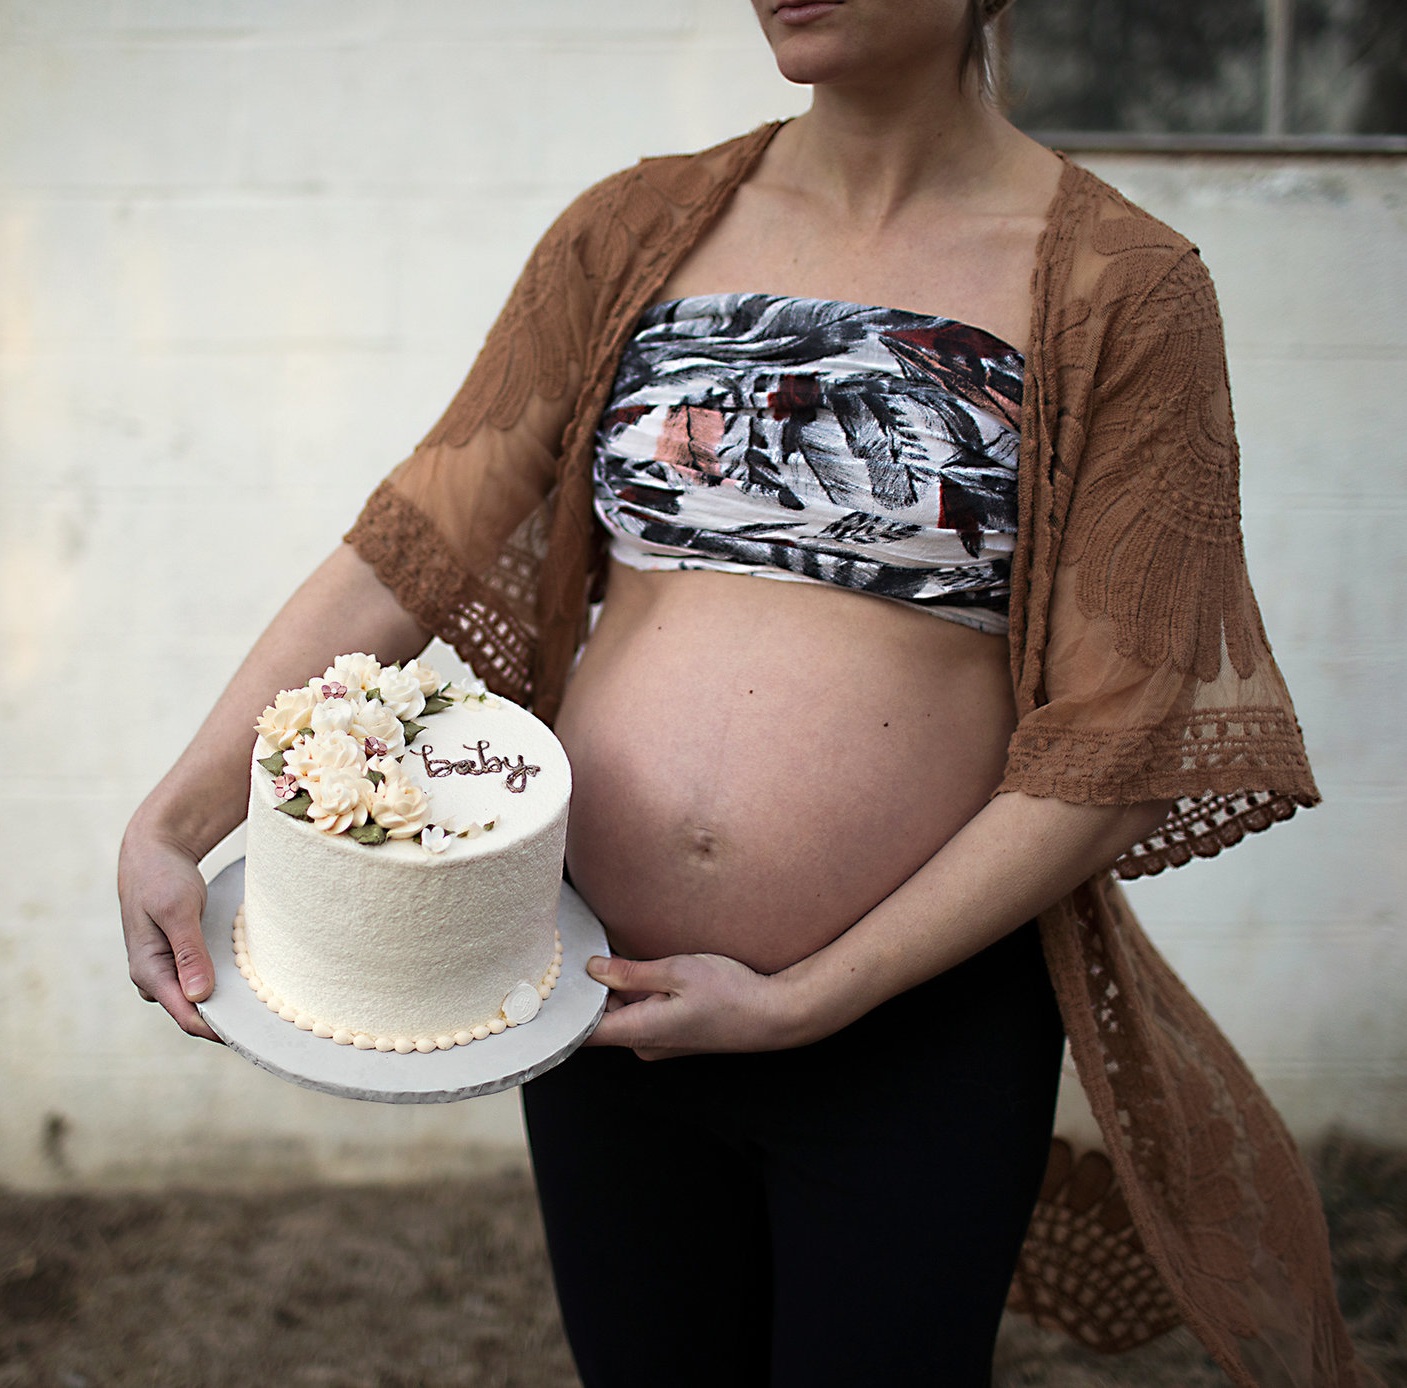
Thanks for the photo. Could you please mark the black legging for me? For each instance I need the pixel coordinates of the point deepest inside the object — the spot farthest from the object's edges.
(846, 1213)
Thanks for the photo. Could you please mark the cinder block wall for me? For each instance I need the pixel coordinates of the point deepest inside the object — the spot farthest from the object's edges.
(246, 253)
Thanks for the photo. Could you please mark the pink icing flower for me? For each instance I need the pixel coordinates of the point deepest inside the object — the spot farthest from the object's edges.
(285, 787)
(333, 689)
(375, 747)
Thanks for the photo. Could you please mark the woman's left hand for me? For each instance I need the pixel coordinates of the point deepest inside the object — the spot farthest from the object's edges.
(685, 1004)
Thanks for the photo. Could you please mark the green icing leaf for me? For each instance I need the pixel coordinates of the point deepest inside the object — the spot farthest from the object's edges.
(273, 765)
(375, 777)
(411, 728)
(305, 732)
(435, 704)
(298, 807)
(370, 834)
(373, 694)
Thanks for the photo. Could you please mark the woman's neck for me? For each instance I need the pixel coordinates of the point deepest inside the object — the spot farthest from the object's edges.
(874, 153)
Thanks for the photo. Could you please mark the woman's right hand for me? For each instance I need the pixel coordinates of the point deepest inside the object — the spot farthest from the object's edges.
(162, 895)
(342, 607)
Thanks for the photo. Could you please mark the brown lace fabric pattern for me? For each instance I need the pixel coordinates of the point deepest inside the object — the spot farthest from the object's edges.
(1141, 671)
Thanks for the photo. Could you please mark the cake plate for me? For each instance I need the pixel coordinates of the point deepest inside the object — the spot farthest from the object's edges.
(512, 1057)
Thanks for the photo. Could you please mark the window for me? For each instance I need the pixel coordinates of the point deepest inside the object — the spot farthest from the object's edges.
(1199, 71)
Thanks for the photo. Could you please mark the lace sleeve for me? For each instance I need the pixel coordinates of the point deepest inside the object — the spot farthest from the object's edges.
(1157, 679)
(460, 529)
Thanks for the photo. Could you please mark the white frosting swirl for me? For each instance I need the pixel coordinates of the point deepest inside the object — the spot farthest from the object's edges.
(358, 671)
(310, 757)
(341, 799)
(428, 680)
(333, 715)
(374, 719)
(400, 692)
(398, 805)
(278, 725)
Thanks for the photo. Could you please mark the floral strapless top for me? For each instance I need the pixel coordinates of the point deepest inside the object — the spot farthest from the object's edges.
(872, 448)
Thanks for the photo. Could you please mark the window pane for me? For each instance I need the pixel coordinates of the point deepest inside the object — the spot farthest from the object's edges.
(1202, 66)
(1194, 66)
(1348, 75)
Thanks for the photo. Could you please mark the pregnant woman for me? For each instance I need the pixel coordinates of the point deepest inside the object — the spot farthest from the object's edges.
(898, 454)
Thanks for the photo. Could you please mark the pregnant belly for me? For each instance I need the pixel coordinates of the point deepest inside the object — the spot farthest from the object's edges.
(756, 764)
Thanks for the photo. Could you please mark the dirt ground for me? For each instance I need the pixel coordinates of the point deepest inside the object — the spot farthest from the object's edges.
(442, 1285)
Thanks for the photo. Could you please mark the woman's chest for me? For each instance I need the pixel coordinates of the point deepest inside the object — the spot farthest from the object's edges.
(968, 266)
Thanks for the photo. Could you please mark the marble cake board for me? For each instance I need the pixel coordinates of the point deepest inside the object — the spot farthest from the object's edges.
(512, 1057)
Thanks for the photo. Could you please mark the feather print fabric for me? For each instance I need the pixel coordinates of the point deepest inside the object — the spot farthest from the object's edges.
(872, 448)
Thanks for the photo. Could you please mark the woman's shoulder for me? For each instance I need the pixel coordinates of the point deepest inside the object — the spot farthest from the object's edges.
(1106, 251)
(1090, 209)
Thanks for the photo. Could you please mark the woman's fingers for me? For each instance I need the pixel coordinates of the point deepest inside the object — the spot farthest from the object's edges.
(163, 895)
(640, 1027)
(640, 977)
(686, 1004)
(172, 968)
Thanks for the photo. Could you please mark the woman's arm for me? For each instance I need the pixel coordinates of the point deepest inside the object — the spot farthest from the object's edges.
(1015, 858)
(342, 607)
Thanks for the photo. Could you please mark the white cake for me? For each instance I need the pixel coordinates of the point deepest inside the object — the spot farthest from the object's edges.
(402, 898)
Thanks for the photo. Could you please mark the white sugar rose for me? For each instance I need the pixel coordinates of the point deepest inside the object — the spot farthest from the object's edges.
(425, 677)
(400, 692)
(278, 725)
(357, 671)
(333, 715)
(375, 720)
(399, 806)
(341, 799)
(298, 759)
(311, 757)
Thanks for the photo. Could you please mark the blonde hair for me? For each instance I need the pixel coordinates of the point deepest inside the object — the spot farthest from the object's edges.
(981, 59)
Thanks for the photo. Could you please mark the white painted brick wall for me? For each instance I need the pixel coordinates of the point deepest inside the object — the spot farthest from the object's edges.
(247, 249)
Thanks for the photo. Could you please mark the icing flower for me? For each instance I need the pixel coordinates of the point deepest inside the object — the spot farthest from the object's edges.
(465, 691)
(435, 839)
(278, 725)
(400, 692)
(376, 722)
(310, 758)
(343, 751)
(424, 676)
(398, 805)
(356, 671)
(522, 1003)
(285, 787)
(341, 800)
(333, 715)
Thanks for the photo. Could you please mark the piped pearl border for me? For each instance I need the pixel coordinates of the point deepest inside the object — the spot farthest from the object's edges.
(367, 1041)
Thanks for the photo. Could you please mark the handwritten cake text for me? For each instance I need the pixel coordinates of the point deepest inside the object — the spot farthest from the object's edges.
(516, 779)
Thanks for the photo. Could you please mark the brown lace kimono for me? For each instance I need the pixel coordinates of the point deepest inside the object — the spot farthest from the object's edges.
(1141, 672)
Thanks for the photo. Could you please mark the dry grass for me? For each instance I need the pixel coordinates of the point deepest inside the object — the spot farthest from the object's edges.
(438, 1285)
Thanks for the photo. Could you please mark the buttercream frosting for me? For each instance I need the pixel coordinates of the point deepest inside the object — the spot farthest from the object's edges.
(407, 903)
